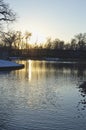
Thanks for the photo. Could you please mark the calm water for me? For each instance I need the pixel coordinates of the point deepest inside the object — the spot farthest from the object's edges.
(43, 96)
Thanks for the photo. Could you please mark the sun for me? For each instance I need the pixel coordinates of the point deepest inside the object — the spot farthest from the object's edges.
(37, 38)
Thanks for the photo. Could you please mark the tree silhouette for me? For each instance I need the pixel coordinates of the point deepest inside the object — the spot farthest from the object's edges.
(73, 44)
(57, 44)
(8, 38)
(27, 36)
(81, 41)
(11, 39)
(6, 14)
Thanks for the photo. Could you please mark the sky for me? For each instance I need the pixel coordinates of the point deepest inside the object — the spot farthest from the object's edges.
(51, 18)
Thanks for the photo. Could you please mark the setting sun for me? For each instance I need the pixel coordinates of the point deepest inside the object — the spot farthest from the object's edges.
(37, 38)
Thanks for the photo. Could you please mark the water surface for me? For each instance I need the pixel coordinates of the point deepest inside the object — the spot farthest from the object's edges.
(43, 96)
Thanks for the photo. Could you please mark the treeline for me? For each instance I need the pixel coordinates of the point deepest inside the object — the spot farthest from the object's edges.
(16, 44)
(77, 43)
(18, 40)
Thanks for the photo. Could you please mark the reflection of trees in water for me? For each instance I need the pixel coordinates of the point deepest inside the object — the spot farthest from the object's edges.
(43, 67)
(75, 69)
(82, 104)
(83, 89)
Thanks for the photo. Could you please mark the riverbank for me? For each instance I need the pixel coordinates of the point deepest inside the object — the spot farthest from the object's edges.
(9, 65)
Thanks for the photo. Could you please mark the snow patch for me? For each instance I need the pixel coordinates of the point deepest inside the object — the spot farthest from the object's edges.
(6, 63)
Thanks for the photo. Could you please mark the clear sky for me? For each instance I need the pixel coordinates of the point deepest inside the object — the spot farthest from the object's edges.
(54, 18)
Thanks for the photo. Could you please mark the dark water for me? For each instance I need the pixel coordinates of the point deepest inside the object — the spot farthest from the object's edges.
(43, 96)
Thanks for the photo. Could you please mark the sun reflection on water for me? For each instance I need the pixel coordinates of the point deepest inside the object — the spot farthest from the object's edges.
(30, 70)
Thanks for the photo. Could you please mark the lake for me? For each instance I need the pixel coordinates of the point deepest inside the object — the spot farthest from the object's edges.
(45, 95)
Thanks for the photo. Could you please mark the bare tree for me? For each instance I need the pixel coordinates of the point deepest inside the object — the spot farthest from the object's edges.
(27, 36)
(6, 14)
(48, 44)
(81, 40)
(11, 39)
(8, 38)
(74, 44)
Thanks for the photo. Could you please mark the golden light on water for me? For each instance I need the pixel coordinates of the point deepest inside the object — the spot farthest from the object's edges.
(30, 70)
